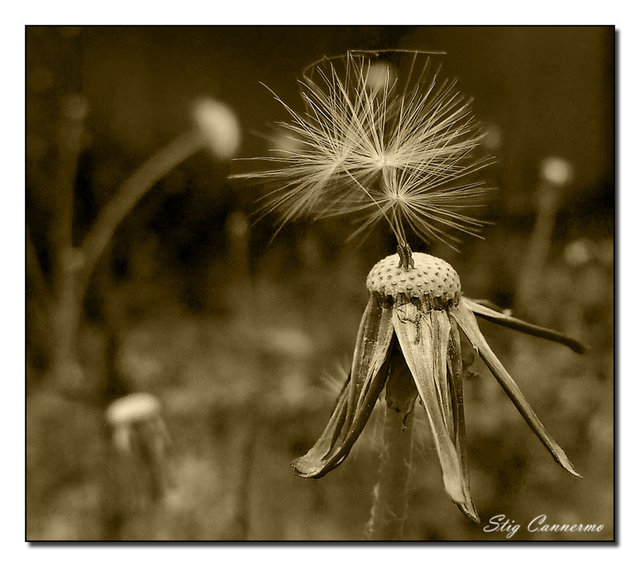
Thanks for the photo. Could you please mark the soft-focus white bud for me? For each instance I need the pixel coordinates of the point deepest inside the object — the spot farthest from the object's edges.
(287, 341)
(75, 107)
(133, 408)
(283, 141)
(380, 76)
(556, 170)
(578, 252)
(140, 437)
(219, 126)
(492, 139)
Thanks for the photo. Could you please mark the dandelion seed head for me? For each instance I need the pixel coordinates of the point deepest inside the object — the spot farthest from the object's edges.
(382, 142)
(430, 279)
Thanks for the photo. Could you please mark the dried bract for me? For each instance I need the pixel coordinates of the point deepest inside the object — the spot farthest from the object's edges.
(414, 320)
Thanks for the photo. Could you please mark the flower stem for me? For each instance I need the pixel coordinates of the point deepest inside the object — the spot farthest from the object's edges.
(130, 192)
(390, 495)
(406, 255)
(76, 264)
(65, 306)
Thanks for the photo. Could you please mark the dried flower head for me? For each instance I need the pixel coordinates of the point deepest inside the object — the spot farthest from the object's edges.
(397, 144)
(384, 142)
(409, 346)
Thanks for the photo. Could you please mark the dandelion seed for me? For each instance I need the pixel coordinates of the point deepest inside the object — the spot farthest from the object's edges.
(381, 147)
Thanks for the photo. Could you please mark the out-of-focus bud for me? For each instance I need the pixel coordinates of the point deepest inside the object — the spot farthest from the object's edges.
(492, 140)
(287, 342)
(578, 252)
(133, 408)
(556, 170)
(555, 174)
(219, 126)
(128, 412)
(75, 107)
(73, 111)
(237, 226)
(380, 75)
(283, 141)
(140, 437)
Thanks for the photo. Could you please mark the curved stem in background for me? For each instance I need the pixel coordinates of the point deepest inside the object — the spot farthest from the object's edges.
(63, 311)
(128, 195)
(75, 265)
(548, 200)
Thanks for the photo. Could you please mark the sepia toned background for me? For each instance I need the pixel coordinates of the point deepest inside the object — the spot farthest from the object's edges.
(243, 340)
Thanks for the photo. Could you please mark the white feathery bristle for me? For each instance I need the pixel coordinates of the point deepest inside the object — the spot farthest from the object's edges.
(380, 145)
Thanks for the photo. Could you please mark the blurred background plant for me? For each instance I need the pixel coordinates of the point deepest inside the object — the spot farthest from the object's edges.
(230, 334)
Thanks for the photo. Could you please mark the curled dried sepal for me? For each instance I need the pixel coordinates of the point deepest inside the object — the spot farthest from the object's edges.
(409, 340)
(492, 313)
(455, 369)
(313, 460)
(426, 358)
(467, 322)
(359, 395)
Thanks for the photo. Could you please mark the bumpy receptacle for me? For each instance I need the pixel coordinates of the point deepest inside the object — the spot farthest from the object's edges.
(431, 280)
